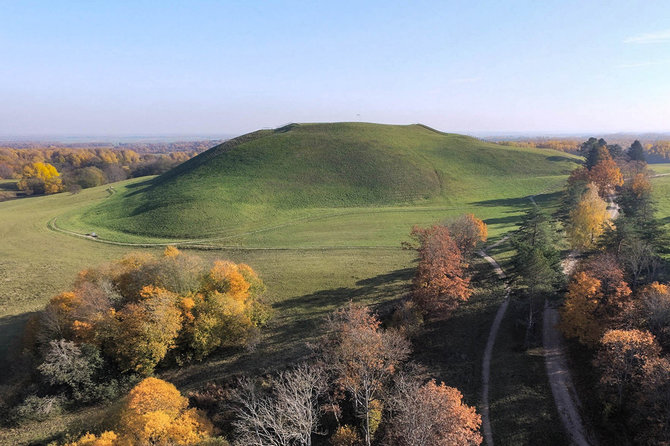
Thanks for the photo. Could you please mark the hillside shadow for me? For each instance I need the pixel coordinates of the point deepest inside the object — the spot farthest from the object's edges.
(136, 188)
(559, 158)
(518, 202)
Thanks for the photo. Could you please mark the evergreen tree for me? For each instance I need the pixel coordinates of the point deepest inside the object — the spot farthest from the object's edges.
(636, 152)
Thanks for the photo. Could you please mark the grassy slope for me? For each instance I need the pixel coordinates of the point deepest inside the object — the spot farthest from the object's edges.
(321, 269)
(319, 171)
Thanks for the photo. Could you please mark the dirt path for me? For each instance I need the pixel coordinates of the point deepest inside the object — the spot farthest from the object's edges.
(488, 351)
(558, 372)
(560, 380)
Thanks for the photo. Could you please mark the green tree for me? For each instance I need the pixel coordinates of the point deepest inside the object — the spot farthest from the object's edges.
(636, 151)
(536, 263)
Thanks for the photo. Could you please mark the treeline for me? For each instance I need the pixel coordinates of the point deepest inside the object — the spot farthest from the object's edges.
(138, 147)
(46, 171)
(653, 152)
(614, 307)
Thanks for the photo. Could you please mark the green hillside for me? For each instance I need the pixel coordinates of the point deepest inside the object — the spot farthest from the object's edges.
(302, 171)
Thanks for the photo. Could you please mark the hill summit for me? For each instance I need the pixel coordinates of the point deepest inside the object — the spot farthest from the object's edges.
(282, 173)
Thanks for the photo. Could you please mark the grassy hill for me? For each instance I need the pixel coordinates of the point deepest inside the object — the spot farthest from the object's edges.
(306, 171)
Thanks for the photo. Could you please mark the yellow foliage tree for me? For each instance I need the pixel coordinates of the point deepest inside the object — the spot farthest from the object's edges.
(587, 219)
(578, 319)
(108, 438)
(142, 333)
(156, 413)
(40, 177)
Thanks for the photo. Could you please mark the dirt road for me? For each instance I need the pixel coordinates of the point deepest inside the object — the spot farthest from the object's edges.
(488, 351)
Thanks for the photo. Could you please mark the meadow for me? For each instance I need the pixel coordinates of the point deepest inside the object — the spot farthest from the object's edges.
(313, 260)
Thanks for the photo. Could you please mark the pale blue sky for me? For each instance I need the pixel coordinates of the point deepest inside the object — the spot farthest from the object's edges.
(220, 67)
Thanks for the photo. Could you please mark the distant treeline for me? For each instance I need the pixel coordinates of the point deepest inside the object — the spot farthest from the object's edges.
(655, 152)
(53, 168)
(139, 147)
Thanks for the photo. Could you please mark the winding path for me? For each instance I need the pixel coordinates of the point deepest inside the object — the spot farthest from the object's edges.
(488, 350)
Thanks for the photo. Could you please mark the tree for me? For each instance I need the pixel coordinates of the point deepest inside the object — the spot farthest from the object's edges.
(40, 178)
(156, 413)
(653, 308)
(67, 364)
(362, 357)
(606, 175)
(636, 151)
(107, 438)
(432, 414)
(287, 417)
(144, 332)
(536, 262)
(346, 436)
(578, 318)
(440, 283)
(468, 231)
(598, 298)
(594, 150)
(622, 358)
(587, 219)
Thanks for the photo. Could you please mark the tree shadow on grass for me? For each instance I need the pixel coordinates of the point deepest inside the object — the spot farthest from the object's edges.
(11, 332)
(298, 322)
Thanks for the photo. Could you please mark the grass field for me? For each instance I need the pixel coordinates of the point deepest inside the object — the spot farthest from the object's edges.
(661, 192)
(313, 261)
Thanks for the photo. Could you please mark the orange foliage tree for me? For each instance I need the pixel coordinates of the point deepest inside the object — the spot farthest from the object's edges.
(432, 414)
(363, 356)
(440, 283)
(606, 175)
(622, 359)
(468, 231)
(154, 413)
(598, 298)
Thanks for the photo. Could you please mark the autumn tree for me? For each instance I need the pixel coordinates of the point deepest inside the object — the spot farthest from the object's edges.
(432, 414)
(622, 358)
(362, 357)
(288, 416)
(587, 219)
(107, 438)
(468, 232)
(653, 311)
(578, 318)
(607, 176)
(142, 333)
(440, 282)
(156, 413)
(40, 178)
(598, 298)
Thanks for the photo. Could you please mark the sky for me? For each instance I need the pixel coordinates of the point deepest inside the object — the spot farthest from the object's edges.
(229, 67)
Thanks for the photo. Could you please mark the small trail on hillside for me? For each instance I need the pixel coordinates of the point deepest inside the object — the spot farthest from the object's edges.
(490, 342)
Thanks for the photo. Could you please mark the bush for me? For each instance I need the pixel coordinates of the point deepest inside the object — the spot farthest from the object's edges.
(39, 408)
